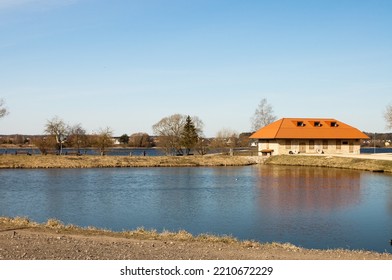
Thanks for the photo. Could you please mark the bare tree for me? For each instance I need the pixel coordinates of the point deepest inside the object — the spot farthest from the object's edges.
(199, 126)
(140, 139)
(243, 139)
(104, 140)
(225, 141)
(388, 115)
(202, 146)
(77, 137)
(3, 110)
(169, 130)
(45, 144)
(264, 115)
(57, 128)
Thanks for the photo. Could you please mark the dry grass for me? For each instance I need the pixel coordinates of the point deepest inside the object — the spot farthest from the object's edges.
(18, 222)
(205, 241)
(53, 161)
(139, 233)
(332, 162)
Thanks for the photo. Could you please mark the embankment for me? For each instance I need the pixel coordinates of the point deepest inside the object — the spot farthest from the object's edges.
(356, 163)
(86, 161)
(53, 161)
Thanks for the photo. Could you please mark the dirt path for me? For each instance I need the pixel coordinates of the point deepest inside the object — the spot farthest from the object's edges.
(56, 242)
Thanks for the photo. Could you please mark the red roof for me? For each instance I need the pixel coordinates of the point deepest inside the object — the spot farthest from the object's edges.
(300, 128)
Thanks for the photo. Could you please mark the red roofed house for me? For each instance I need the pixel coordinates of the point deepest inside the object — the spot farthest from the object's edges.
(310, 136)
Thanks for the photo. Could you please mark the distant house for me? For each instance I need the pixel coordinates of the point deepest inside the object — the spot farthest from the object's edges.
(308, 136)
(116, 140)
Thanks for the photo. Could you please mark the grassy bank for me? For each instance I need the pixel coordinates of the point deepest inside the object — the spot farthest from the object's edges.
(86, 161)
(53, 161)
(332, 162)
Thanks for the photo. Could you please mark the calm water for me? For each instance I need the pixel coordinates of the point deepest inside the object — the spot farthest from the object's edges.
(309, 207)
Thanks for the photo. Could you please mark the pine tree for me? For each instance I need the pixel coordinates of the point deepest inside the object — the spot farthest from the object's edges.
(189, 136)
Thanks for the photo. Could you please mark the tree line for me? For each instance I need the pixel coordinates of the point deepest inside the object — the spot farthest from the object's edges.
(176, 134)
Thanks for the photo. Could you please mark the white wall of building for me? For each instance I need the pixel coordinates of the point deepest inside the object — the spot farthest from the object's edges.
(307, 146)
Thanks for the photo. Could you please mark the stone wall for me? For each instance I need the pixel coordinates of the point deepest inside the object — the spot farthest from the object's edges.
(306, 146)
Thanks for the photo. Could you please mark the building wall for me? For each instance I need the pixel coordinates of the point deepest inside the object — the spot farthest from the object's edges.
(268, 145)
(306, 146)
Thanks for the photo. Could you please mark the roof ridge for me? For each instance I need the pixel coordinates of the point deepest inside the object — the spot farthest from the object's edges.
(281, 123)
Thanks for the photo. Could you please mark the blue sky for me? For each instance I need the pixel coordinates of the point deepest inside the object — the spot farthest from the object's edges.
(127, 64)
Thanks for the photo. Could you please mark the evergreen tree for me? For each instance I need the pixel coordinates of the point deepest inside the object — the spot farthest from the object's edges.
(189, 136)
(124, 139)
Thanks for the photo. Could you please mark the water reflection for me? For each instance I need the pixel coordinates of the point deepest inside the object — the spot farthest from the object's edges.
(290, 188)
(390, 203)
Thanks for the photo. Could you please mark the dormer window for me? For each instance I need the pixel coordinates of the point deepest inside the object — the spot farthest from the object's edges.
(300, 123)
(317, 124)
(334, 124)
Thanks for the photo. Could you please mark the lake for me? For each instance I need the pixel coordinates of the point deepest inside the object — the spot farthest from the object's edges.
(308, 207)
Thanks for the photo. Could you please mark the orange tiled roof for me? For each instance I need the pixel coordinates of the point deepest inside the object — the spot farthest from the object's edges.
(300, 128)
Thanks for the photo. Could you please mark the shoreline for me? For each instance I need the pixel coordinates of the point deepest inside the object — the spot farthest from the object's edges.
(376, 163)
(88, 161)
(21, 239)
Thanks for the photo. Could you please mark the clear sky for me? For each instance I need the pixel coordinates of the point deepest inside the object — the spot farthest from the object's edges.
(126, 64)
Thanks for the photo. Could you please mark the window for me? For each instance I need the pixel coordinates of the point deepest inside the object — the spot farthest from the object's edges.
(325, 144)
(317, 124)
(300, 123)
(345, 142)
(288, 144)
(334, 124)
(338, 145)
(311, 144)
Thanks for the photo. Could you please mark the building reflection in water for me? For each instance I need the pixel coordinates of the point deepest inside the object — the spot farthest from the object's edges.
(300, 188)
